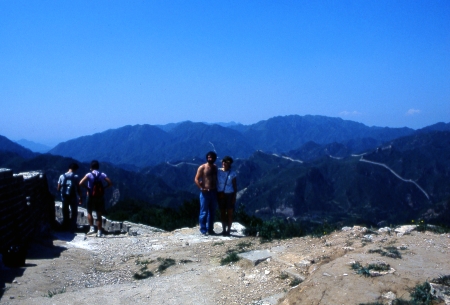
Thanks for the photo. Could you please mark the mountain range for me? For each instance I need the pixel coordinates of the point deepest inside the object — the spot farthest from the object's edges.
(304, 168)
(146, 145)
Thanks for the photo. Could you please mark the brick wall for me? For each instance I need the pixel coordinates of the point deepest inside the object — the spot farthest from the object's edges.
(27, 209)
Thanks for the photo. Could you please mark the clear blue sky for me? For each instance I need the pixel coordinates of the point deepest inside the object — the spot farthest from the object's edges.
(74, 68)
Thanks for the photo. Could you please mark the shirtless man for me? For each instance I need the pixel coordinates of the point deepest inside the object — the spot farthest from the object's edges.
(206, 180)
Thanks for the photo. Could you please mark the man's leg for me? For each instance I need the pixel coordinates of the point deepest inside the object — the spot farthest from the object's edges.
(230, 220)
(89, 205)
(223, 213)
(65, 212)
(212, 205)
(203, 214)
(100, 206)
(73, 213)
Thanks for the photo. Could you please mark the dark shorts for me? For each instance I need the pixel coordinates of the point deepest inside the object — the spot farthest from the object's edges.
(95, 204)
(226, 203)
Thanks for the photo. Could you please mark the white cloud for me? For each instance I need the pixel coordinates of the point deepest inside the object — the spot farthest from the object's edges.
(347, 113)
(412, 111)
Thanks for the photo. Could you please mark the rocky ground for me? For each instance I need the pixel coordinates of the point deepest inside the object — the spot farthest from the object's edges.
(184, 267)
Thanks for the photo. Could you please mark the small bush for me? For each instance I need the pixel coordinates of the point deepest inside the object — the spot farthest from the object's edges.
(283, 275)
(391, 252)
(230, 258)
(365, 271)
(145, 262)
(295, 282)
(185, 261)
(379, 267)
(421, 294)
(442, 280)
(143, 275)
(51, 293)
(165, 263)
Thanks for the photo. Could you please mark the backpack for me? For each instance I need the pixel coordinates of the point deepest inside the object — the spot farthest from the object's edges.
(98, 190)
(68, 186)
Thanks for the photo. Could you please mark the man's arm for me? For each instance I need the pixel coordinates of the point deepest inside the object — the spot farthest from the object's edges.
(108, 182)
(83, 182)
(58, 187)
(80, 200)
(199, 178)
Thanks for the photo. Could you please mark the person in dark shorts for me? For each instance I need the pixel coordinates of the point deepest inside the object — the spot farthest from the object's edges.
(68, 185)
(94, 201)
(226, 195)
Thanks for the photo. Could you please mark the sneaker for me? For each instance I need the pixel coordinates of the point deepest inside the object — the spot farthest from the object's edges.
(91, 232)
(99, 233)
(211, 232)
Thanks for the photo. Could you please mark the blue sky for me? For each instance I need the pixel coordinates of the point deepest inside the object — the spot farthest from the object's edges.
(74, 68)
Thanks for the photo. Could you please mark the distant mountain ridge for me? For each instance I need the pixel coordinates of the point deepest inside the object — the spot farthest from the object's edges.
(147, 145)
(33, 146)
(7, 145)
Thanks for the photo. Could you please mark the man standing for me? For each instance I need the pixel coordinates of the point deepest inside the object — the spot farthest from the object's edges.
(94, 182)
(69, 187)
(206, 180)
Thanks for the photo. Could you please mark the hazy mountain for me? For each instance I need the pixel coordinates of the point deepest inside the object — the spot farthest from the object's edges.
(33, 146)
(284, 133)
(7, 145)
(196, 139)
(170, 126)
(436, 127)
(138, 146)
(144, 145)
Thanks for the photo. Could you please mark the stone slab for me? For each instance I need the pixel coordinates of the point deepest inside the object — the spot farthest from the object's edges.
(256, 256)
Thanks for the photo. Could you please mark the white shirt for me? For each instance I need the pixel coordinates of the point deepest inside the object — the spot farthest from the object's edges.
(222, 178)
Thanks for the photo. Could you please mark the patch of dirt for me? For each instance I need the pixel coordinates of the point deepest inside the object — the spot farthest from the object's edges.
(122, 269)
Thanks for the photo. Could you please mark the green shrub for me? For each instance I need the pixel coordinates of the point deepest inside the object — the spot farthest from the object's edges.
(165, 263)
(391, 252)
(421, 294)
(51, 293)
(365, 271)
(283, 275)
(295, 282)
(143, 275)
(230, 258)
(442, 280)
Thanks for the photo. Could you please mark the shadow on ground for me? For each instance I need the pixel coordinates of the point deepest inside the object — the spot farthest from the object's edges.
(44, 249)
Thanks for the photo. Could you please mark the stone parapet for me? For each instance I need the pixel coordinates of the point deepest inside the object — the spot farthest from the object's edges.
(109, 226)
(25, 207)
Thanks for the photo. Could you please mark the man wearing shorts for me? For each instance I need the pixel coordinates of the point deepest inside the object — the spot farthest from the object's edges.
(95, 203)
